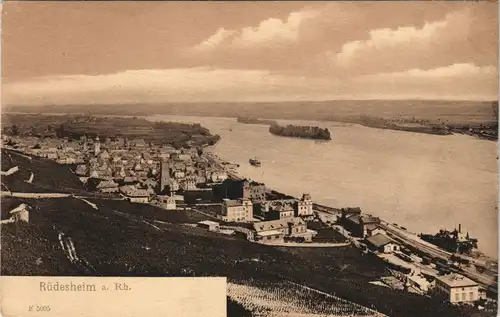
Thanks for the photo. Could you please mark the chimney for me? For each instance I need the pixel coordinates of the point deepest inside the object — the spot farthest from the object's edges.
(459, 228)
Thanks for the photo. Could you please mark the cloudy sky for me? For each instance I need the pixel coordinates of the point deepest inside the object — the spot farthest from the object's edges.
(90, 52)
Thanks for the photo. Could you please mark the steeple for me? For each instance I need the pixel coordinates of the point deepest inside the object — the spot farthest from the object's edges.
(97, 146)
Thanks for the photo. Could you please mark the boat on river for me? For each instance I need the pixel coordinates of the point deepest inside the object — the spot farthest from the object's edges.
(255, 162)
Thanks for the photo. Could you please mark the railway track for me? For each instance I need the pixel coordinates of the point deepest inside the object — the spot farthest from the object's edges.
(487, 282)
(326, 209)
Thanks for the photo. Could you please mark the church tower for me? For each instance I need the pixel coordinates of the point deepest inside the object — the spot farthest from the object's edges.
(164, 175)
(97, 146)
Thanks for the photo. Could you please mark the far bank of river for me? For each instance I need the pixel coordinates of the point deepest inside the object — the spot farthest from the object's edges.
(421, 181)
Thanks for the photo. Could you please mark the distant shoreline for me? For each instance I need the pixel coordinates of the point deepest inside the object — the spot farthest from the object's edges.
(484, 131)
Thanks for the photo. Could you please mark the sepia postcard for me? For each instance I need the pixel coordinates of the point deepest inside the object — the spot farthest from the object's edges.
(267, 159)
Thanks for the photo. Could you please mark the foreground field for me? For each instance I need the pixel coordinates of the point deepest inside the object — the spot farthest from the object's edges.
(290, 299)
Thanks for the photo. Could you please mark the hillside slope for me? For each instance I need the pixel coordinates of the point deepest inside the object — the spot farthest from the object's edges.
(48, 176)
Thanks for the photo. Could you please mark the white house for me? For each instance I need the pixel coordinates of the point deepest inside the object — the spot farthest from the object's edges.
(167, 202)
(210, 225)
(135, 195)
(382, 243)
(178, 174)
(188, 183)
(456, 288)
(375, 230)
(240, 210)
(21, 213)
(218, 176)
(305, 206)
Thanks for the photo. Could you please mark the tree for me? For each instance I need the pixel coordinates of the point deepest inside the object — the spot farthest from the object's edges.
(150, 173)
(15, 130)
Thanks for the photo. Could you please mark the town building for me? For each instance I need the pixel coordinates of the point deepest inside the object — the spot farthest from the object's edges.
(21, 213)
(97, 146)
(180, 173)
(371, 231)
(134, 194)
(350, 220)
(167, 202)
(237, 210)
(359, 225)
(108, 186)
(304, 206)
(188, 183)
(282, 210)
(454, 241)
(277, 230)
(456, 288)
(418, 281)
(381, 243)
(164, 175)
(82, 170)
(210, 225)
(218, 176)
(369, 223)
(254, 191)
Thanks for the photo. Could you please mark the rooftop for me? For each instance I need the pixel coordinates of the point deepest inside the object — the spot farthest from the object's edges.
(269, 233)
(284, 207)
(372, 226)
(306, 197)
(456, 280)
(276, 224)
(356, 210)
(233, 202)
(369, 219)
(209, 223)
(379, 240)
(131, 191)
(354, 218)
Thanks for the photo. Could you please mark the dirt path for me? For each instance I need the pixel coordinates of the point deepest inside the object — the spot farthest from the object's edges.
(88, 202)
(30, 180)
(10, 171)
(309, 245)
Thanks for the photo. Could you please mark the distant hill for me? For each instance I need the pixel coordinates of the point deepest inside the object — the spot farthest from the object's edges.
(75, 126)
(454, 111)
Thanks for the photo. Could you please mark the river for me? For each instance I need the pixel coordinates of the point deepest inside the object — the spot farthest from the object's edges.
(421, 181)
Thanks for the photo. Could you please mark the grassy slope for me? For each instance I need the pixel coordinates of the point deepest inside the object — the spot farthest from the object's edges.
(49, 176)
